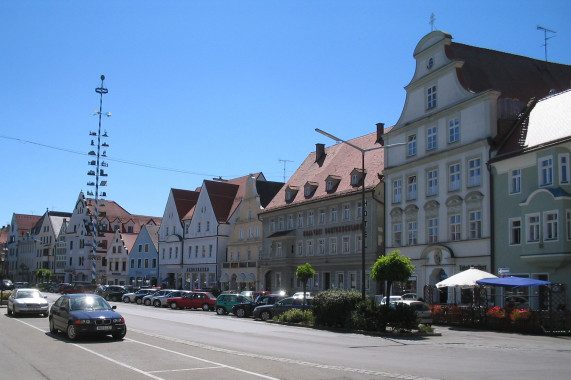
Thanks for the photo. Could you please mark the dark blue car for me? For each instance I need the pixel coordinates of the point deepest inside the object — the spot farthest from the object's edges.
(85, 314)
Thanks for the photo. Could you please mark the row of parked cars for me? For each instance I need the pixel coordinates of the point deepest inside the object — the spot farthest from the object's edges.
(260, 305)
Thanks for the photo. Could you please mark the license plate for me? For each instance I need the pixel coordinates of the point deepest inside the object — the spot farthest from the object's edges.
(104, 328)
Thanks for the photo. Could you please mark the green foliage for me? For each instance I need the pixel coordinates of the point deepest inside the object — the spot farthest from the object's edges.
(369, 316)
(393, 267)
(334, 307)
(297, 316)
(305, 272)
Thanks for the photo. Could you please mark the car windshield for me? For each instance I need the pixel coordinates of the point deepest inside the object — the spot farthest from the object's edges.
(28, 294)
(89, 303)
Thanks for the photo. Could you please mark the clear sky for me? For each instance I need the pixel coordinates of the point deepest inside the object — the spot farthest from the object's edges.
(202, 89)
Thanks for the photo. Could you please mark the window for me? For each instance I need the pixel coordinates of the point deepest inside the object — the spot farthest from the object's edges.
(299, 220)
(321, 243)
(431, 97)
(397, 234)
(454, 177)
(432, 230)
(289, 224)
(564, 168)
(346, 244)
(341, 280)
(333, 246)
(475, 172)
(346, 212)
(272, 225)
(359, 210)
(568, 224)
(322, 216)
(310, 247)
(241, 234)
(533, 228)
(207, 225)
(198, 228)
(475, 224)
(453, 130)
(455, 227)
(545, 171)
(411, 188)
(279, 249)
(329, 185)
(411, 145)
(515, 231)
(432, 177)
(551, 225)
(431, 138)
(359, 243)
(412, 233)
(310, 218)
(515, 181)
(333, 214)
(397, 190)
(281, 222)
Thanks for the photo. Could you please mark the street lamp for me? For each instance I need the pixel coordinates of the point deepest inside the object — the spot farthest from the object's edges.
(363, 221)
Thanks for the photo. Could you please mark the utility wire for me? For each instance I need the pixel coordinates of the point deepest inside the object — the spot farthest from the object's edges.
(109, 159)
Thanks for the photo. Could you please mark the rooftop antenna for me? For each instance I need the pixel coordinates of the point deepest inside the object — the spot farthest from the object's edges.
(545, 38)
(285, 162)
(431, 22)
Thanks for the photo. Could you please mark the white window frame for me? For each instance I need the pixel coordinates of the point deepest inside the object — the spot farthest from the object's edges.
(453, 130)
(279, 249)
(358, 243)
(432, 138)
(411, 187)
(300, 220)
(412, 232)
(432, 182)
(411, 146)
(309, 245)
(397, 190)
(475, 224)
(455, 222)
(321, 246)
(346, 211)
(515, 181)
(346, 244)
(334, 216)
(545, 171)
(333, 246)
(299, 251)
(551, 225)
(397, 234)
(454, 177)
(475, 172)
(310, 217)
(322, 216)
(431, 97)
(341, 280)
(514, 231)
(532, 228)
(432, 228)
(564, 168)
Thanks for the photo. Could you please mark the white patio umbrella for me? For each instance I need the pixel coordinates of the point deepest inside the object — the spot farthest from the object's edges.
(465, 279)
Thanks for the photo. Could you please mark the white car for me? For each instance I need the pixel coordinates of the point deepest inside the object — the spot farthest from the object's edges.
(421, 309)
(27, 301)
(149, 299)
(130, 297)
(383, 300)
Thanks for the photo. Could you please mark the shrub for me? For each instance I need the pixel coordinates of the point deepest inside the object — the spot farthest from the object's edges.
(297, 316)
(334, 307)
(369, 316)
(366, 316)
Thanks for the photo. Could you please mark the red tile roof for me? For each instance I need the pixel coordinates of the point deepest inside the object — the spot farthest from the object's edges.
(185, 200)
(26, 222)
(340, 160)
(222, 196)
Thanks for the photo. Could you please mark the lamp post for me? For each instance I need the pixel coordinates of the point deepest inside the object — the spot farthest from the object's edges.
(363, 212)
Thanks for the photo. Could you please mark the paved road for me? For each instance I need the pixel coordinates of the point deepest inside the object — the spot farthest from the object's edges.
(175, 344)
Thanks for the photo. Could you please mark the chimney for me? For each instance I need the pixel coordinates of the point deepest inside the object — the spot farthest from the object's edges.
(319, 151)
(380, 133)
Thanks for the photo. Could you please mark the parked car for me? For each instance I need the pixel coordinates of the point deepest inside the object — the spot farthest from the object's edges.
(150, 298)
(85, 314)
(130, 297)
(76, 287)
(300, 294)
(193, 300)
(246, 309)
(27, 301)
(267, 312)
(421, 309)
(21, 284)
(383, 300)
(225, 301)
(162, 301)
(409, 296)
(6, 284)
(114, 292)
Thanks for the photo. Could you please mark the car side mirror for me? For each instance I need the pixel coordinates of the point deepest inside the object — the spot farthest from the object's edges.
(113, 307)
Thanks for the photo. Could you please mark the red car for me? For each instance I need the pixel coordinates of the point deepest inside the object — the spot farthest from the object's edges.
(193, 300)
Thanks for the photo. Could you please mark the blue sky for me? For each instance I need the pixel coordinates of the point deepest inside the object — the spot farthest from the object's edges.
(201, 89)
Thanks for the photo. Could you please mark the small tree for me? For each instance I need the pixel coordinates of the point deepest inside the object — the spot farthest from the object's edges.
(390, 268)
(304, 272)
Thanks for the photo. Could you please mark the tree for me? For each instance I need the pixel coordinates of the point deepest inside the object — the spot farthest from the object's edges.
(390, 268)
(304, 272)
(42, 274)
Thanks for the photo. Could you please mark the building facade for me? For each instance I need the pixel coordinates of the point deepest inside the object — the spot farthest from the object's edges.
(144, 258)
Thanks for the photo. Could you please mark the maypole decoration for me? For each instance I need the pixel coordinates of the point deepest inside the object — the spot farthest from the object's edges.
(98, 172)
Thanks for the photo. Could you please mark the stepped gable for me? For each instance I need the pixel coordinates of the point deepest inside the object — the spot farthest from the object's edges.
(185, 201)
(339, 160)
(515, 76)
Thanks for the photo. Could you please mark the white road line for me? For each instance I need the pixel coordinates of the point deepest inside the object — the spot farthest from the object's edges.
(204, 360)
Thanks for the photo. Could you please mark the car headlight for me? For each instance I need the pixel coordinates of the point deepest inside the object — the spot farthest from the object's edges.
(119, 320)
(82, 321)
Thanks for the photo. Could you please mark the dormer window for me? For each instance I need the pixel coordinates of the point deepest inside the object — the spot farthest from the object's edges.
(331, 183)
(357, 176)
(310, 188)
(290, 193)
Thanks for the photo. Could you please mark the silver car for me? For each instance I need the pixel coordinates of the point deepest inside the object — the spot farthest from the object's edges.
(27, 301)
(161, 301)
